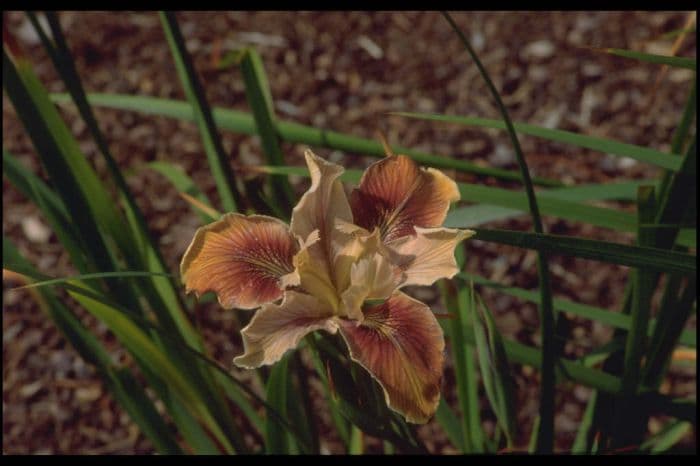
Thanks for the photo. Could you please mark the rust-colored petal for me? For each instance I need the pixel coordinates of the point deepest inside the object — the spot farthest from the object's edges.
(277, 328)
(401, 344)
(429, 255)
(239, 258)
(396, 195)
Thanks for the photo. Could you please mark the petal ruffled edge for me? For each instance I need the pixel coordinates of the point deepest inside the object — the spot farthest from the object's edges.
(429, 255)
(395, 194)
(401, 344)
(241, 259)
(278, 328)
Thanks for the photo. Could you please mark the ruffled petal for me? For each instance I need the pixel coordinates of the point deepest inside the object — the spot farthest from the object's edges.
(364, 272)
(429, 255)
(277, 328)
(316, 214)
(239, 258)
(401, 344)
(396, 195)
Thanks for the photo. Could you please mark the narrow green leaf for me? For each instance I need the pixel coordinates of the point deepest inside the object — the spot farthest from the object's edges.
(615, 253)
(71, 175)
(242, 122)
(641, 302)
(356, 443)
(93, 276)
(145, 350)
(670, 435)
(582, 441)
(220, 169)
(458, 301)
(131, 395)
(451, 424)
(260, 101)
(183, 183)
(629, 412)
(120, 381)
(677, 62)
(604, 316)
(276, 441)
(607, 146)
(495, 370)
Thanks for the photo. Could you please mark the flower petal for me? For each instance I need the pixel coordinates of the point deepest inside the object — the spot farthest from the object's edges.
(323, 202)
(363, 271)
(395, 194)
(401, 344)
(429, 255)
(239, 258)
(277, 328)
(316, 214)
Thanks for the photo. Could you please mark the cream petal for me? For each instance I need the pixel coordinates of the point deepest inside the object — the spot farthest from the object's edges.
(367, 273)
(323, 203)
(319, 208)
(401, 344)
(396, 195)
(277, 328)
(313, 274)
(240, 258)
(429, 255)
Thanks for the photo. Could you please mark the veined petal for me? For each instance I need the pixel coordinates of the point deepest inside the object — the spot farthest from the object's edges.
(429, 255)
(312, 272)
(319, 208)
(277, 328)
(239, 258)
(401, 344)
(364, 272)
(396, 195)
(324, 202)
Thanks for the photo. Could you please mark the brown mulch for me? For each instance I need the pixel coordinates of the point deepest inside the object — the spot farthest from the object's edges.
(341, 71)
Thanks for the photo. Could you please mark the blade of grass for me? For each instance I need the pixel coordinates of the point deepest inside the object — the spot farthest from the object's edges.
(260, 101)
(76, 174)
(218, 163)
(161, 295)
(187, 189)
(242, 122)
(677, 62)
(276, 441)
(607, 146)
(604, 316)
(495, 370)
(628, 413)
(546, 428)
(450, 424)
(615, 253)
(458, 300)
(69, 172)
(120, 381)
(667, 437)
(668, 333)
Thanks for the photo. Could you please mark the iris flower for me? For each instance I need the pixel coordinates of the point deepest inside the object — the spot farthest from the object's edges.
(319, 272)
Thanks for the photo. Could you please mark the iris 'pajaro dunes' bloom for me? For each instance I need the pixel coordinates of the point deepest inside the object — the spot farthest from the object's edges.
(336, 254)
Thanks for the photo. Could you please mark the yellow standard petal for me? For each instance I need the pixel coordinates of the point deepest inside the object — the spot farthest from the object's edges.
(275, 329)
(396, 195)
(363, 271)
(401, 344)
(314, 217)
(241, 259)
(429, 255)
